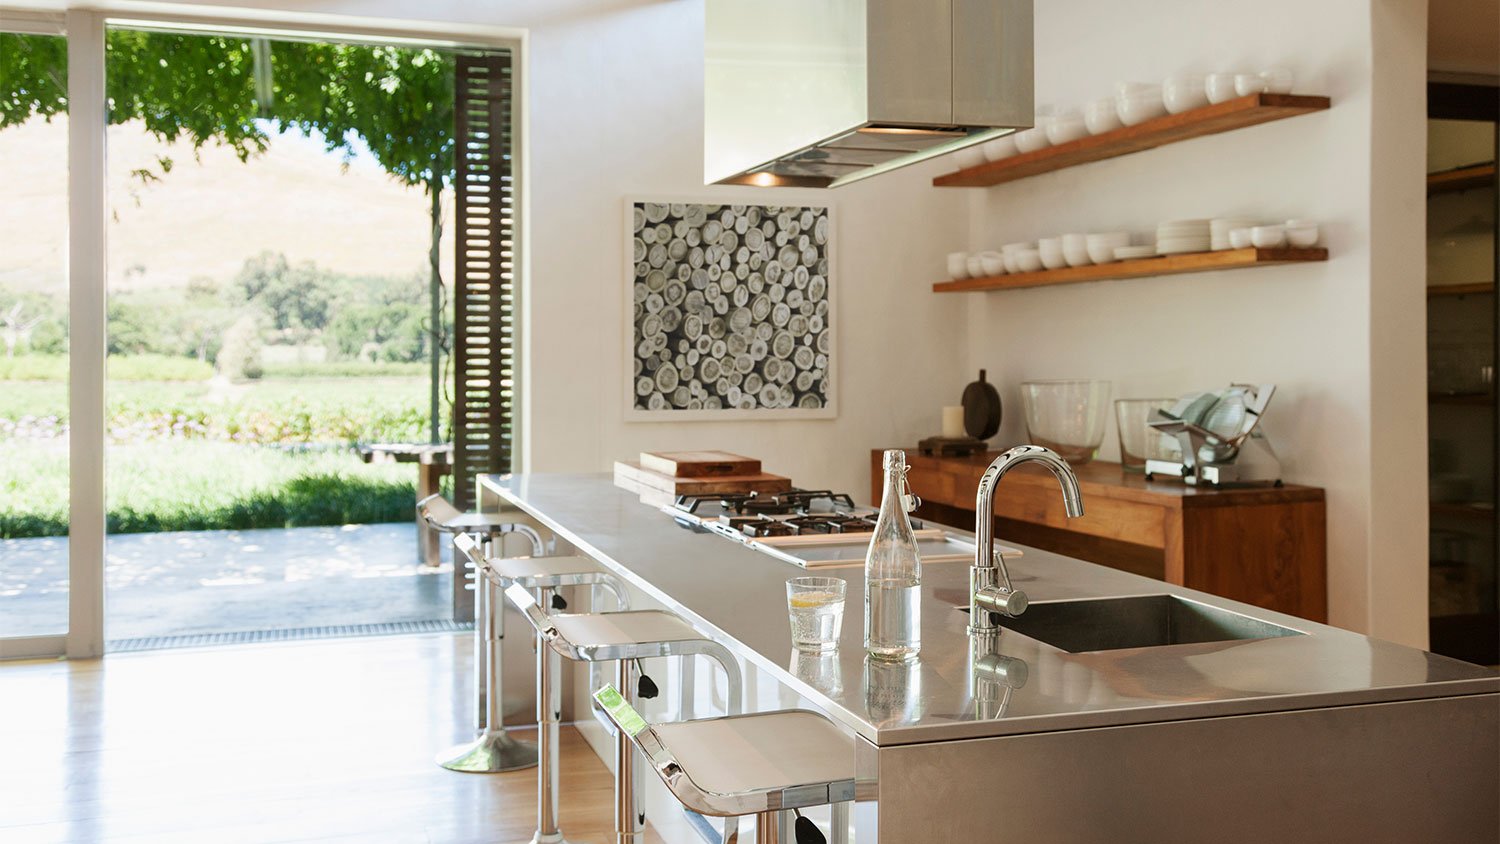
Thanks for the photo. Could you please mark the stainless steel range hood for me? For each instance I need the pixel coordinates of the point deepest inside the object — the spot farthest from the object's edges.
(824, 92)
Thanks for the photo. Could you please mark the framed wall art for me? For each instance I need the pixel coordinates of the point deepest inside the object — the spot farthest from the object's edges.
(730, 310)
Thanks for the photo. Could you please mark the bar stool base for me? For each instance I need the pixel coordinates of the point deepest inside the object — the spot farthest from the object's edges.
(555, 838)
(491, 753)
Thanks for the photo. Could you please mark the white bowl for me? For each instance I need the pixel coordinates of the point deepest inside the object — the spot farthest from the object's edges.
(958, 265)
(1133, 253)
(1075, 249)
(1301, 233)
(997, 148)
(1028, 261)
(1239, 238)
(1184, 92)
(1219, 87)
(1246, 84)
(1051, 251)
(1031, 140)
(1278, 80)
(1138, 108)
(1101, 116)
(1011, 264)
(992, 262)
(975, 265)
(1066, 126)
(968, 157)
(1102, 246)
(1268, 237)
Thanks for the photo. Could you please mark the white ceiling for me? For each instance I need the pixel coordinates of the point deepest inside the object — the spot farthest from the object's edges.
(1463, 36)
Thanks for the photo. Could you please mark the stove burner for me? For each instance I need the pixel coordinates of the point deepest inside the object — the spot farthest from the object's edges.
(768, 527)
(813, 524)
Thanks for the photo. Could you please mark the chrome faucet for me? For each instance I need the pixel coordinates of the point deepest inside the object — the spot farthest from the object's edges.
(990, 590)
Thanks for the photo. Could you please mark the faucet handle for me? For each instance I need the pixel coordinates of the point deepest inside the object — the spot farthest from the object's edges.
(1011, 602)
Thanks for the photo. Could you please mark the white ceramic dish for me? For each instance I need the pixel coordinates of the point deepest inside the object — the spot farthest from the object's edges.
(1239, 238)
(1051, 251)
(1180, 248)
(975, 266)
(1102, 116)
(1131, 253)
(1102, 246)
(958, 265)
(1268, 237)
(993, 263)
(1066, 126)
(1278, 80)
(1301, 233)
(1137, 109)
(1017, 246)
(1246, 84)
(1184, 92)
(1219, 87)
(1031, 140)
(1009, 259)
(997, 149)
(1028, 261)
(1076, 250)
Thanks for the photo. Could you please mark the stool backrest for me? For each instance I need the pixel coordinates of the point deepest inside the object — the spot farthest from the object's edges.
(437, 512)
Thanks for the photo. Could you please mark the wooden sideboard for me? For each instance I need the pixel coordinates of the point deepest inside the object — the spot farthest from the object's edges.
(1264, 546)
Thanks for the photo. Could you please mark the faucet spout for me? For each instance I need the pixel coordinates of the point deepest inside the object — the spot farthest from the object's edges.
(990, 589)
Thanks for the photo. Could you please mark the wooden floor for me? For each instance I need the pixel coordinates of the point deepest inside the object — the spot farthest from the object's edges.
(319, 741)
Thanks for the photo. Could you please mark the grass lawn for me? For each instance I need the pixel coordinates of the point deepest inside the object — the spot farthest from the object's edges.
(202, 485)
(268, 411)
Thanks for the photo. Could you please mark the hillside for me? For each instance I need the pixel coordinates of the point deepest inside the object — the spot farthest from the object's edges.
(210, 213)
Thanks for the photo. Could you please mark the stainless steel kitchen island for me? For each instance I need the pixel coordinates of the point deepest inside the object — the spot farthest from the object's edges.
(1160, 714)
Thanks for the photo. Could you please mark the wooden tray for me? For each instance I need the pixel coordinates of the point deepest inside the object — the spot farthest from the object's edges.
(632, 476)
(699, 464)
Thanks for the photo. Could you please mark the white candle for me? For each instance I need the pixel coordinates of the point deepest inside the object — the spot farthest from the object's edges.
(953, 423)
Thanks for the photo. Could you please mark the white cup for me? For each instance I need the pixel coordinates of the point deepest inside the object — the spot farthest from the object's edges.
(1268, 237)
(1246, 84)
(958, 266)
(1219, 87)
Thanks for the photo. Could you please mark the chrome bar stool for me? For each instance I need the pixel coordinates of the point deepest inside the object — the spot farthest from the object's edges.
(494, 750)
(624, 638)
(764, 764)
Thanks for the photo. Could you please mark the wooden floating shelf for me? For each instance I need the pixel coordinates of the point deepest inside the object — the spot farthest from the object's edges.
(1192, 262)
(1460, 289)
(1462, 178)
(1158, 131)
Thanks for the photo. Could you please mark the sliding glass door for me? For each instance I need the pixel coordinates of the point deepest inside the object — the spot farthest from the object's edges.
(262, 253)
(34, 366)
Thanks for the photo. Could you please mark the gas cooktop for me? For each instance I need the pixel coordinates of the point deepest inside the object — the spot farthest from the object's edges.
(799, 512)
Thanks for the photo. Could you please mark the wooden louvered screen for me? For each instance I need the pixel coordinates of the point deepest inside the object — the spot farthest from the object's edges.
(484, 289)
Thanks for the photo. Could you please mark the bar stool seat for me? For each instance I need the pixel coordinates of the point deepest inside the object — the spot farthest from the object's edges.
(764, 764)
(798, 755)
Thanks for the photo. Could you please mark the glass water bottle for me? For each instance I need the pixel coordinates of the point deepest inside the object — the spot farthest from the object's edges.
(893, 572)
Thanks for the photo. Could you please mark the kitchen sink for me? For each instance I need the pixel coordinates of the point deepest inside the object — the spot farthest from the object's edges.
(1142, 621)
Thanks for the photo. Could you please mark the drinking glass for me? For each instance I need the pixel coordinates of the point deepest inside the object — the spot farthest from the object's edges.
(1067, 416)
(1140, 442)
(815, 606)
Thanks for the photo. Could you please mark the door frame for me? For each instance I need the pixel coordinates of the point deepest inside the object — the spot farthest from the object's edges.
(87, 215)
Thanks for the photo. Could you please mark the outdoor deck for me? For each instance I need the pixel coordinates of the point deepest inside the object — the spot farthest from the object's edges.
(231, 581)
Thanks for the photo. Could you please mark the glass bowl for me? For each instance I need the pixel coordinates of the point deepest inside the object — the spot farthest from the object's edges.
(1067, 416)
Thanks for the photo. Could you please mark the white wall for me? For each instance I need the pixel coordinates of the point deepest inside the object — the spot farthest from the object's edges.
(1337, 338)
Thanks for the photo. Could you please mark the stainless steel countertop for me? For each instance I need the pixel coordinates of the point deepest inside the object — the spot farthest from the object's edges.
(737, 596)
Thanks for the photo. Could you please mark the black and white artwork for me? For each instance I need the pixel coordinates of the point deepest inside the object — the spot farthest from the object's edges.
(731, 311)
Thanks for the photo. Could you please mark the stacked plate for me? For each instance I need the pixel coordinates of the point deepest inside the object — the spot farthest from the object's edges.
(1220, 228)
(1178, 236)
